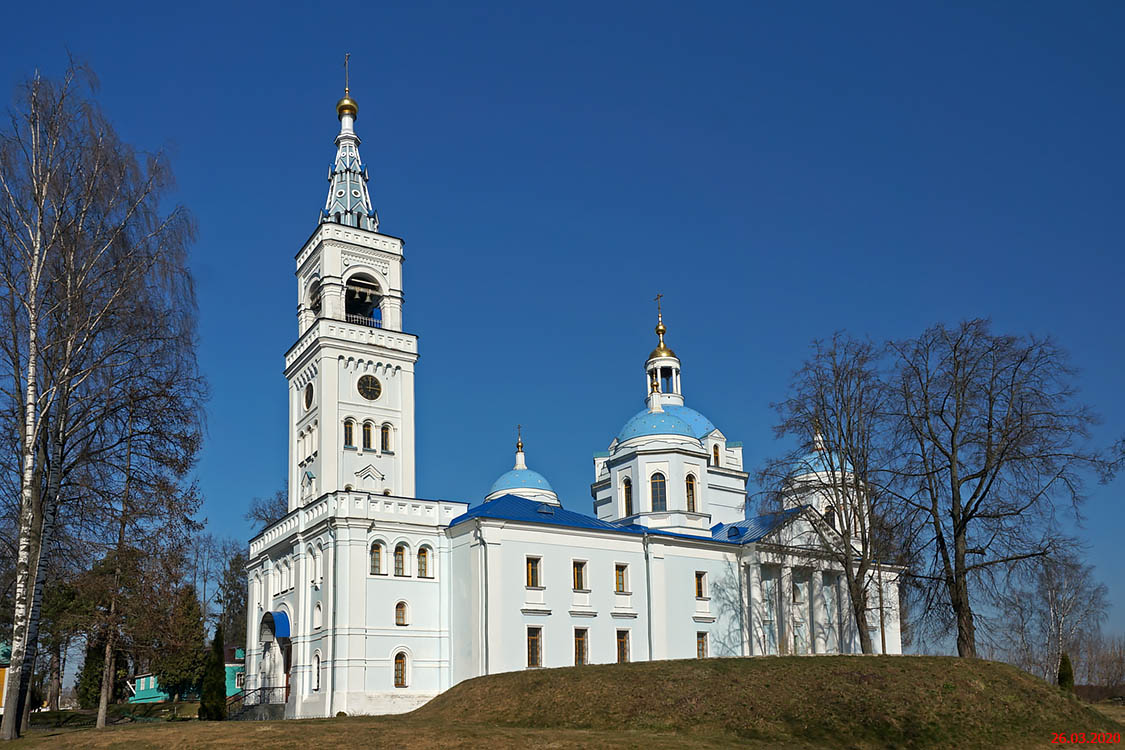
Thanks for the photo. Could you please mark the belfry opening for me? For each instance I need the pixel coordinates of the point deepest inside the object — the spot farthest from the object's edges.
(363, 301)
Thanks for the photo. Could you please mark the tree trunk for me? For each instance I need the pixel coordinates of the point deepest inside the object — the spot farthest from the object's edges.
(47, 512)
(14, 692)
(858, 596)
(54, 678)
(111, 630)
(959, 599)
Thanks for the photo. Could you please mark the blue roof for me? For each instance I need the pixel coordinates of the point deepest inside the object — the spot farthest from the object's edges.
(654, 423)
(520, 479)
(754, 529)
(514, 508)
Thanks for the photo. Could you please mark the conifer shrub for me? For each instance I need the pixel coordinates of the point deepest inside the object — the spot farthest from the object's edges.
(213, 697)
(1066, 673)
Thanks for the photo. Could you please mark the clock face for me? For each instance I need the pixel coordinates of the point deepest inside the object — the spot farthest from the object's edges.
(370, 387)
(308, 395)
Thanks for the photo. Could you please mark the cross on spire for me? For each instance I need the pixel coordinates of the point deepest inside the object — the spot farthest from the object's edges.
(347, 55)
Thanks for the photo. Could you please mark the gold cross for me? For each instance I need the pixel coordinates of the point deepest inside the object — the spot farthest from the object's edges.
(657, 298)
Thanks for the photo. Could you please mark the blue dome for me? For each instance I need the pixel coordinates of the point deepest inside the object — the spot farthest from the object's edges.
(700, 425)
(650, 423)
(518, 479)
(818, 462)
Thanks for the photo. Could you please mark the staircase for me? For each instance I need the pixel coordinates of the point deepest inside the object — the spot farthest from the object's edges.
(261, 704)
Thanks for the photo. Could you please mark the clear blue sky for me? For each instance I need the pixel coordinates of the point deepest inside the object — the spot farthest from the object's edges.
(777, 170)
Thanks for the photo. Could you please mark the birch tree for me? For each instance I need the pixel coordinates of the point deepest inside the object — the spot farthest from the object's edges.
(81, 230)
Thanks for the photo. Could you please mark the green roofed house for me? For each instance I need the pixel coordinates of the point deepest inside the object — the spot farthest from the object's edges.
(235, 662)
(146, 688)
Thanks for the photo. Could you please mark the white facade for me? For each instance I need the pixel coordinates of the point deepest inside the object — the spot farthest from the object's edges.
(364, 599)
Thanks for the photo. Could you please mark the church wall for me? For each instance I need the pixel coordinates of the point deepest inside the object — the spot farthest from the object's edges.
(557, 608)
(465, 610)
(679, 615)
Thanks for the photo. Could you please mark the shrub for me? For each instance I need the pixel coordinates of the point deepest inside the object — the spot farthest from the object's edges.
(213, 698)
(1066, 674)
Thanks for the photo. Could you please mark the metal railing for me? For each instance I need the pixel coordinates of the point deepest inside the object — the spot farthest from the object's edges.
(257, 697)
(363, 320)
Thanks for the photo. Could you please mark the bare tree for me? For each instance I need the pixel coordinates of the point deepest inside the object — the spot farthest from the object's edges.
(994, 445)
(1047, 605)
(836, 410)
(264, 511)
(81, 232)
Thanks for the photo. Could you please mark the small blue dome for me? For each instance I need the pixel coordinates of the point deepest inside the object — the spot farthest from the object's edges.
(819, 462)
(518, 479)
(654, 423)
(700, 425)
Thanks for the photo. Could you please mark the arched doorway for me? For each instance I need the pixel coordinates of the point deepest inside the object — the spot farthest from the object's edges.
(277, 655)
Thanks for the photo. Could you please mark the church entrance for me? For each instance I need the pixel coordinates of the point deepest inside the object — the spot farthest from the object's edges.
(277, 657)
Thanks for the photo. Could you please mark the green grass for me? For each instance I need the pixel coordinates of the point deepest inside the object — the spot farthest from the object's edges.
(804, 702)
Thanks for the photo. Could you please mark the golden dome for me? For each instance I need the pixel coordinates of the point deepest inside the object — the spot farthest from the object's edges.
(661, 350)
(348, 105)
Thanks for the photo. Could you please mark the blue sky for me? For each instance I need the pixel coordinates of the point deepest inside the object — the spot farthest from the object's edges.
(778, 171)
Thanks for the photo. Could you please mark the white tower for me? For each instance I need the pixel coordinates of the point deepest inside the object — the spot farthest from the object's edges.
(351, 372)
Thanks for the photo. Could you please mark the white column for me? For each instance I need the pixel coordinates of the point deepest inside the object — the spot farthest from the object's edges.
(756, 608)
(785, 611)
(816, 601)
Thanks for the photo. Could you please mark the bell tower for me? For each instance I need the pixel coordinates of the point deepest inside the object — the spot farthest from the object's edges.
(351, 371)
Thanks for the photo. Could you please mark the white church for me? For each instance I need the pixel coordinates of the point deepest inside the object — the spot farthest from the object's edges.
(367, 599)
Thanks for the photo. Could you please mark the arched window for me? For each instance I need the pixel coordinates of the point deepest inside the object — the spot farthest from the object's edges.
(376, 559)
(385, 437)
(659, 492)
(830, 516)
(715, 454)
(400, 670)
(627, 486)
(349, 434)
(319, 563)
(316, 671)
(387, 492)
(424, 562)
(318, 616)
(400, 560)
(367, 444)
(400, 613)
(689, 487)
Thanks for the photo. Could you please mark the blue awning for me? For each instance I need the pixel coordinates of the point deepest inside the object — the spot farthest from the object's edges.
(280, 623)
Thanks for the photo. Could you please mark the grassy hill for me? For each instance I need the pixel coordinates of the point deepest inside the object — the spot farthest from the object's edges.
(822, 702)
(841, 701)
